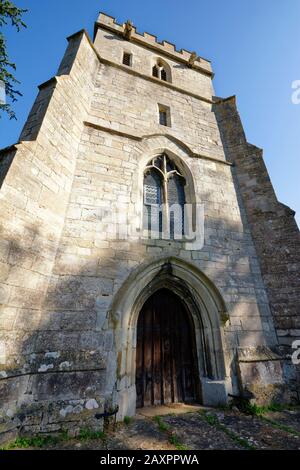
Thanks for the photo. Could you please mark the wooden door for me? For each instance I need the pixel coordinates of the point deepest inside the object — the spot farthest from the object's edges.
(166, 368)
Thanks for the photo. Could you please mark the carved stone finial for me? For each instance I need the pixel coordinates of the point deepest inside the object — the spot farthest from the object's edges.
(192, 59)
(128, 29)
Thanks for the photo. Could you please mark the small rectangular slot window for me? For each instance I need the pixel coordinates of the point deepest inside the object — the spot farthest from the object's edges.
(162, 118)
(164, 115)
(127, 59)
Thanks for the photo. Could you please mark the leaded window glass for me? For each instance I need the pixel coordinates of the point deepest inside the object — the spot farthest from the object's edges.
(164, 187)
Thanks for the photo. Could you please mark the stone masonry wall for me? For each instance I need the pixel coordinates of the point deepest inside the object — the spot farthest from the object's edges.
(94, 265)
(135, 111)
(143, 60)
(274, 232)
(272, 224)
(33, 201)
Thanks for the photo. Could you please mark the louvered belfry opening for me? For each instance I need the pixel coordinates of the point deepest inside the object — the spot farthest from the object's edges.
(127, 59)
(155, 71)
(166, 358)
(163, 119)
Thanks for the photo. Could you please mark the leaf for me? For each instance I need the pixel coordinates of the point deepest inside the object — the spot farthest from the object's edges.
(9, 12)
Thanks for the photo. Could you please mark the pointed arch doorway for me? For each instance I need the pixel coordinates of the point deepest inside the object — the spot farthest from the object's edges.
(166, 354)
(206, 311)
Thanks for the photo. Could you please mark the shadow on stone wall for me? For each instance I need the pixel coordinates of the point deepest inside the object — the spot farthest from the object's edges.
(273, 226)
(6, 159)
(61, 365)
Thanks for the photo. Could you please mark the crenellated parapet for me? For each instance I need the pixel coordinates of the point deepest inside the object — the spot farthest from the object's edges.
(129, 32)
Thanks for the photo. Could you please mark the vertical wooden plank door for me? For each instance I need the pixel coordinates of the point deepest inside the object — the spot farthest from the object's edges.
(165, 359)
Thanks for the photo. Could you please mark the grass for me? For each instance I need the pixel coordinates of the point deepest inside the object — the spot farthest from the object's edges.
(162, 426)
(36, 441)
(240, 440)
(175, 442)
(256, 410)
(127, 420)
(86, 434)
(40, 442)
(165, 428)
(283, 427)
(260, 411)
(212, 420)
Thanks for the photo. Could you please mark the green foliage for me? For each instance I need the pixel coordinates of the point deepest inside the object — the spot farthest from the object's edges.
(37, 441)
(162, 426)
(173, 439)
(127, 420)
(235, 437)
(280, 426)
(9, 13)
(253, 409)
(88, 434)
(46, 441)
(212, 420)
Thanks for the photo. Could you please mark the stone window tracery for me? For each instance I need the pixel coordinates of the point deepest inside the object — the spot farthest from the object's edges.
(164, 197)
(162, 71)
(127, 59)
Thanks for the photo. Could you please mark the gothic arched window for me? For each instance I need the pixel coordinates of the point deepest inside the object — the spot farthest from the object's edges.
(162, 70)
(164, 198)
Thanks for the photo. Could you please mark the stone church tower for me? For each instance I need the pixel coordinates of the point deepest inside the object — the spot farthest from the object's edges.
(97, 309)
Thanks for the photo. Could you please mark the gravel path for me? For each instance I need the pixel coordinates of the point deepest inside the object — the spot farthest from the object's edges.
(197, 428)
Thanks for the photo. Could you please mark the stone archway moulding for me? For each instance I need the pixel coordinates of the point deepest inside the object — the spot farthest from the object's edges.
(182, 156)
(208, 312)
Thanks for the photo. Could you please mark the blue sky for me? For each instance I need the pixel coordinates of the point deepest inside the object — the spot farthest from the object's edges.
(253, 46)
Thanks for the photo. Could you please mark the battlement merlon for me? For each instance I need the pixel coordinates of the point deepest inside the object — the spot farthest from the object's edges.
(150, 41)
